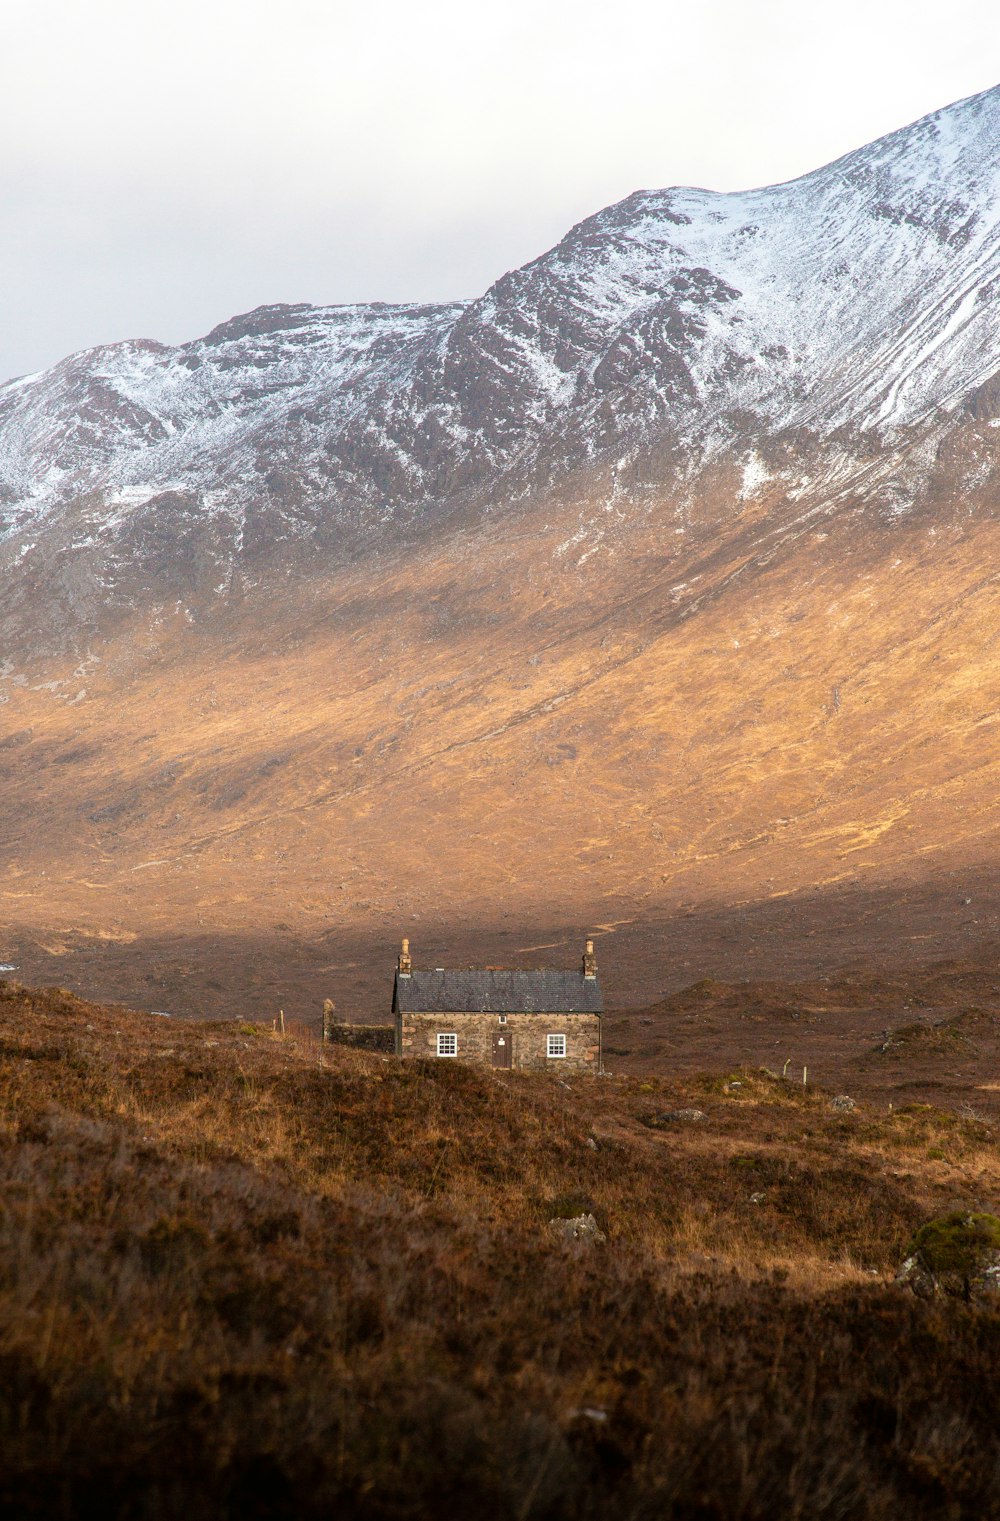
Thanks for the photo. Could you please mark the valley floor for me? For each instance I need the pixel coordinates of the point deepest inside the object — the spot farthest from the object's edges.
(820, 980)
(248, 1275)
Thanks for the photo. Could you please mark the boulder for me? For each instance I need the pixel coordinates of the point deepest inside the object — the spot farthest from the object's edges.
(842, 1104)
(956, 1254)
(674, 1117)
(582, 1228)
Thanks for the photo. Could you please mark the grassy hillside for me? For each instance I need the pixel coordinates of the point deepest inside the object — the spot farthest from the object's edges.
(753, 704)
(243, 1275)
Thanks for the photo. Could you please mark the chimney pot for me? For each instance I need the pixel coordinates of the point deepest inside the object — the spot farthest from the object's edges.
(405, 965)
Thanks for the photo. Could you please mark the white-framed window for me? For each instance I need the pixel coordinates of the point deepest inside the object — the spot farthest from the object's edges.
(447, 1045)
(502, 1018)
(555, 1045)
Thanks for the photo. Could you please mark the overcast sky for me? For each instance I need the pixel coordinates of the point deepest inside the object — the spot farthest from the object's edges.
(167, 163)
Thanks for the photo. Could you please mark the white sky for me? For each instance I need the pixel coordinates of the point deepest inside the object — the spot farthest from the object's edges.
(167, 163)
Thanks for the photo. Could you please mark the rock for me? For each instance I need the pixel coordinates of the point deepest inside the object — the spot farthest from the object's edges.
(913, 1275)
(582, 1228)
(956, 1254)
(674, 1117)
(842, 1104)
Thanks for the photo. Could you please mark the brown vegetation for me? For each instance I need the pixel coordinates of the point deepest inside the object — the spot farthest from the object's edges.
(928, 1033)
(247, 1275)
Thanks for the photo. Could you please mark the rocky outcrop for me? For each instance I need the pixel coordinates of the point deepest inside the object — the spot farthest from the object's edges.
(957, 1255)
(582, 1230)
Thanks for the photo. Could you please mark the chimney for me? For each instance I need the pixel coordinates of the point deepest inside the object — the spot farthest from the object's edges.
(589, 961)
(405, 965)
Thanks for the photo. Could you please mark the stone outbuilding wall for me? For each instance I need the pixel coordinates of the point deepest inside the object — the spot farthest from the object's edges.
(361, 1037)
(341, 1032)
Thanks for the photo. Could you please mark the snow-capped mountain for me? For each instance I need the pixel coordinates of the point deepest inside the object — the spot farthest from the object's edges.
(861, 299)
(662, 574)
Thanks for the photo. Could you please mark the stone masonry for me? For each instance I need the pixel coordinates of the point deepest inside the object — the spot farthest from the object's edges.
(527, 1033)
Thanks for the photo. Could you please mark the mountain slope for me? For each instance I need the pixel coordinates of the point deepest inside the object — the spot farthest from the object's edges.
(663, 573)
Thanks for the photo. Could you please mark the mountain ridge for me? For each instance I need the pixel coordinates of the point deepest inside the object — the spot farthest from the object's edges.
(695, 320)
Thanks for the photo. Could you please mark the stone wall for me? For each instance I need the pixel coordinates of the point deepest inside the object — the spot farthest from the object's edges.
(361, 1037)
(418, 1037)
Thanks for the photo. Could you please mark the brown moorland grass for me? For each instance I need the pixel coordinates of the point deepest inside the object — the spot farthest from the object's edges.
(243, 1276)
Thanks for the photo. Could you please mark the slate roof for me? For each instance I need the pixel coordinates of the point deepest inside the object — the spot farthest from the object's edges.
(496, 992)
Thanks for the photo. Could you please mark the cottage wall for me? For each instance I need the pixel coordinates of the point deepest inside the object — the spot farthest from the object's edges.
(417, 1037)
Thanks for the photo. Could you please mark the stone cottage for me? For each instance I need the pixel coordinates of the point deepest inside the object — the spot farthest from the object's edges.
(530, 1021)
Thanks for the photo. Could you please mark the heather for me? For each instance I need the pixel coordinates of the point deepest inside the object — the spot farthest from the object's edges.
(248, 1275)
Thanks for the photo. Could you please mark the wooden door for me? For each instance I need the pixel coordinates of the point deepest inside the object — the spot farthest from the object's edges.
(502, 1048)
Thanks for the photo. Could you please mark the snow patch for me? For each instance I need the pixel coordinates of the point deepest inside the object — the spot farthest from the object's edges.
(755, 477)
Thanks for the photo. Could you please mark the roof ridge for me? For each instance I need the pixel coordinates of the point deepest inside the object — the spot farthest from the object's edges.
(503, 989)
(562, 970)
